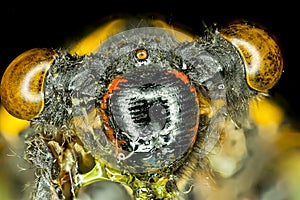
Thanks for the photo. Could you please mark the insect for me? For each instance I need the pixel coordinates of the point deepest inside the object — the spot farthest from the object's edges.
(151, 110)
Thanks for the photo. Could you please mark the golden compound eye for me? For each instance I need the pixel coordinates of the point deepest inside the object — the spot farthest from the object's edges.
(261, 54)
(23, 82)
(141, 54)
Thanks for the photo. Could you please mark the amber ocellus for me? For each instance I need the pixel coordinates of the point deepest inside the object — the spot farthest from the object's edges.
(22, 83)
(262, 55)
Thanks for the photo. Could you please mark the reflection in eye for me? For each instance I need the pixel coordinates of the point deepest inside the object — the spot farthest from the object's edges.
(263, 60)
(23, 82)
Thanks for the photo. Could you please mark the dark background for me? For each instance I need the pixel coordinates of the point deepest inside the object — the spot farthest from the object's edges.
(25, 25)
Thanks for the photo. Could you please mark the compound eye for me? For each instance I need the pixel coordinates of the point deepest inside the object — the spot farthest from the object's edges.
(23, 82)
(261, 54)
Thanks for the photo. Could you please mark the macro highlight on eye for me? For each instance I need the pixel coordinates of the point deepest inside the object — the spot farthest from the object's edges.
(22, 84)
(262, 55)
(149, 111)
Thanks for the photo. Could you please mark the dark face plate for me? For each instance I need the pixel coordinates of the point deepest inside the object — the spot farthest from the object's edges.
(153, 117)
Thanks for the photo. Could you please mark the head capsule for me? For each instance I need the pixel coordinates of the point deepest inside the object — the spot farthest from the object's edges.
(22, 83)
(262, 56)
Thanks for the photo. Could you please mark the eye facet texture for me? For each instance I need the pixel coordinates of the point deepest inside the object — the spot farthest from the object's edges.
(261, 54)
(23, 81)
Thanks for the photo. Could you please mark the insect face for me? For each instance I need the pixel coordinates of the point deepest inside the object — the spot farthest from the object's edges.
(145, 109)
